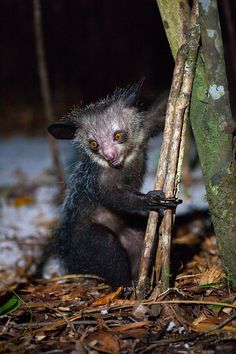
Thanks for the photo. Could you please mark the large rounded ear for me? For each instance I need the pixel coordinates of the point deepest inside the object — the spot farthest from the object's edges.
(62, 130)
(132, 93)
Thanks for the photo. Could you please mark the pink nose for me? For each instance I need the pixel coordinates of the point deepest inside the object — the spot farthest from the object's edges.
(109, 153)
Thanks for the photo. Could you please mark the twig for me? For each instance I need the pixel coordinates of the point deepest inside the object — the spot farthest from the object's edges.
(222, 324)
(142, 286)
(166, 173)
(67, 277)
(182, 104)
(184, 140)
(45, 91)
(113, 307)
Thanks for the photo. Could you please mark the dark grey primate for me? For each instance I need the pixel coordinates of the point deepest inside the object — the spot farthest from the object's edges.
(97, 234)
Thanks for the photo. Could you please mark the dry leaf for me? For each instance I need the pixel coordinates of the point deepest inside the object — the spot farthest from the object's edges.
(211, 276)
(154, 310)
(40, 336)
(103, 341)
(24, 200)
(206, 326)
(140, 311)
(63, 308)
(107, 299)
(200, 319)
(120, 302)
(75, 294)
(133, 333)
(128, 326)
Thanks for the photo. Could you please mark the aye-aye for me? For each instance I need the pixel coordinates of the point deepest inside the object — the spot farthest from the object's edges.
(97, 233)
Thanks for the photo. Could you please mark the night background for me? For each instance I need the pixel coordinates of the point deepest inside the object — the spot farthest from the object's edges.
(91, 48)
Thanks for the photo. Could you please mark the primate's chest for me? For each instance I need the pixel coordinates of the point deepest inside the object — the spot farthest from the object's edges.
(131, 175)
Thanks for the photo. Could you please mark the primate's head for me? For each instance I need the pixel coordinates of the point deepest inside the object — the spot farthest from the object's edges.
(110, 131)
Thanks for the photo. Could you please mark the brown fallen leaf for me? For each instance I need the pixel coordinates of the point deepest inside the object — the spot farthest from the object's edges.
(103, 341)
(128, 326)
(120, 302)
(200, 319)
(135, 333)
(203, 324)
(206, 326)
(76, 293)
(40, 336)
(24, 200)
(107, 299)
(63, 308)
(212, 275)
(140, 311)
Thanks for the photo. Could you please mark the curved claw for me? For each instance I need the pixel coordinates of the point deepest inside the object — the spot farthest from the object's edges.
(156, 199)
(170, 202)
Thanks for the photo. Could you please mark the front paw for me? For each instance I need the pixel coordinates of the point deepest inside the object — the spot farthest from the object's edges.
(156, 200)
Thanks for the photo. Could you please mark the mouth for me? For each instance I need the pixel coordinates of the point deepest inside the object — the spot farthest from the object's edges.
(116, 164)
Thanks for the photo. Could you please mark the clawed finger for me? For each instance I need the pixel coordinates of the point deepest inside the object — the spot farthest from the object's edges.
(170, 202)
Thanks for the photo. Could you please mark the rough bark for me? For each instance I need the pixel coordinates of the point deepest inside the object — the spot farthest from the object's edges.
(170, 166)
(181, 106)
(212, 125)
(175, 17)
(143, 286)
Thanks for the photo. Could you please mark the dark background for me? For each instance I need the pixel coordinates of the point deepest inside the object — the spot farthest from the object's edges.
(91, 46)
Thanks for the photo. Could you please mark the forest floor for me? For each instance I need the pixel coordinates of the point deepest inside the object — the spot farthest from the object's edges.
(80, 313)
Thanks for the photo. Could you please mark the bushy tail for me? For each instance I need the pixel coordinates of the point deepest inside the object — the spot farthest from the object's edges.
(155, 116)
(56, 246)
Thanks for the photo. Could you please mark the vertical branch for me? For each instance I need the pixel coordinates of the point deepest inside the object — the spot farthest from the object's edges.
(44, 85)
(167, 168)
(175, 16)
(184, 140)
(182, 104)
(211, 122)
(143, 281)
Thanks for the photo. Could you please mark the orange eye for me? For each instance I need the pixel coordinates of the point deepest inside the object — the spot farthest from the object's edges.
(120, 136)
(93, 145)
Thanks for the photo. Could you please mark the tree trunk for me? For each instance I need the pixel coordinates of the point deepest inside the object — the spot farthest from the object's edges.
(175, 16)
(212, 123)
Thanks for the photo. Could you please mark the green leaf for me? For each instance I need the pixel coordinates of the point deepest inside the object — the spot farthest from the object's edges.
(211, 285)
(218, 307)
(10, 305)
